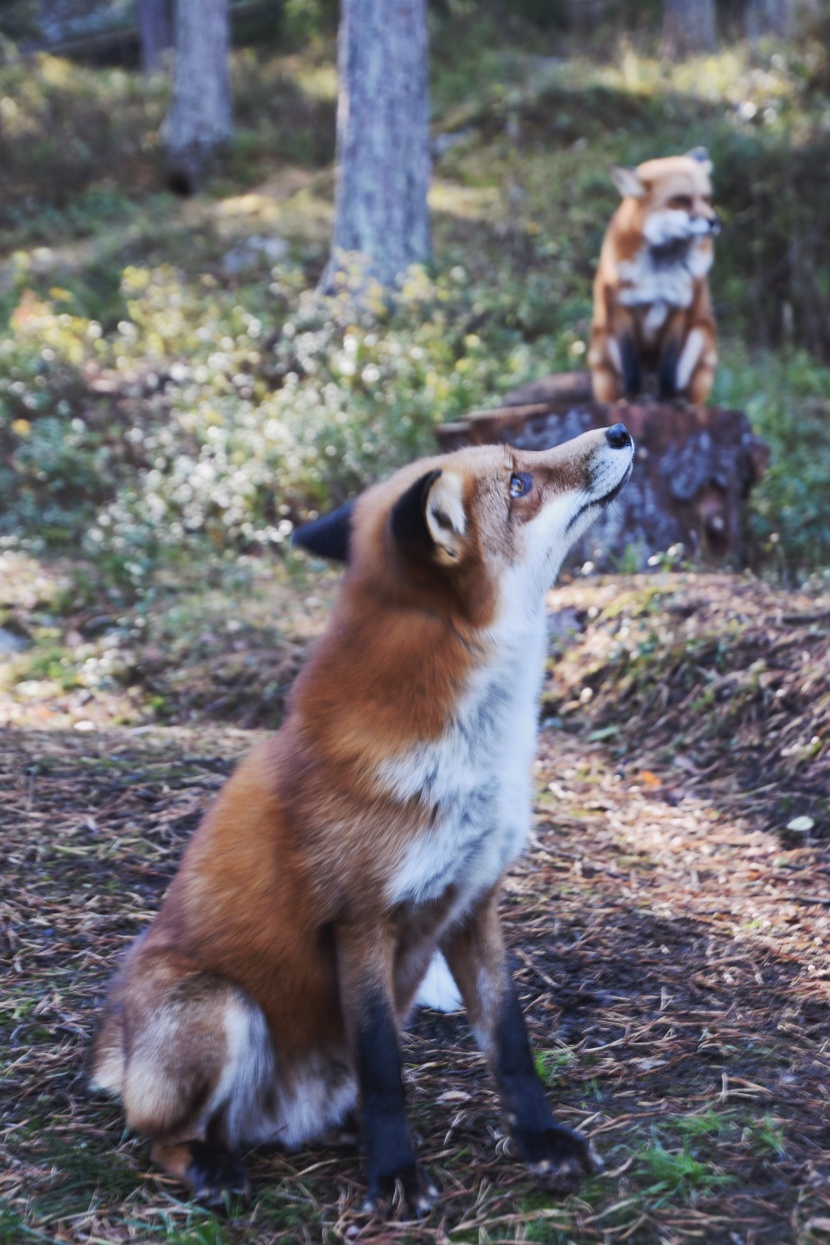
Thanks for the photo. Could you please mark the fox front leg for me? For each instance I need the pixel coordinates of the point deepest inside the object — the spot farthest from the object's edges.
(687, 369)
(476, 955)
(365, 961)
(613, 356)
(688, 355)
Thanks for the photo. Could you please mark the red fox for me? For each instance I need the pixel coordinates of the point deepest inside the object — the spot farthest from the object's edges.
(652, 309)
(369, 834)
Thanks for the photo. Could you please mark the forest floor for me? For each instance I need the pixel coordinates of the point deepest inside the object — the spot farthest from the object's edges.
(669, 924)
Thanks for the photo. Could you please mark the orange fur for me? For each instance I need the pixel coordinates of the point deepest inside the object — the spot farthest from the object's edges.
(238, 1017)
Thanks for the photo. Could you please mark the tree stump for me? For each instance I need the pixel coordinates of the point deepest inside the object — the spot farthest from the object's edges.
(693, 471)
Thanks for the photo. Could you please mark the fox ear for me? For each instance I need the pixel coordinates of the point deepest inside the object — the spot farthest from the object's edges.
(328, 536)
(702, 156)
(628, 182)
(445, 515)
(429, 518)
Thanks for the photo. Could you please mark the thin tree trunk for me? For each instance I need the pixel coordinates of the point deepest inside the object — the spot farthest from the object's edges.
(585, 15)
(155, 27)
(382, 140)
(688, 26)
(199, 121)
(769, 17)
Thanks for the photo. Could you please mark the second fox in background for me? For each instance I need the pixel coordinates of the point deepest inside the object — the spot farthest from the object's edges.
(652, 310)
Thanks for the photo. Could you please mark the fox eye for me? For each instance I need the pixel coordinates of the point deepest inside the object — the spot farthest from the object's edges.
(520, 483)
(684, 202)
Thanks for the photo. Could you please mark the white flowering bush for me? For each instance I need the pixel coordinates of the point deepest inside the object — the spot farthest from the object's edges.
(213, 415)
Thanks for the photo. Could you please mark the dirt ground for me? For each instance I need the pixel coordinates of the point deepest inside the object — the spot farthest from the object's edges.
(669, 924)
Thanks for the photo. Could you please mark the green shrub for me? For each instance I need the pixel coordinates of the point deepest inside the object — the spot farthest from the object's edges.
(53, 464)
(787, 400)
(206, 416)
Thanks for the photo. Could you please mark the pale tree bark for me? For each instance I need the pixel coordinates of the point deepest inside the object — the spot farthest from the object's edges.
(585, 15)
(688, 26)
(383, 161)
(155, 29)
(199, 121)
(769, 17)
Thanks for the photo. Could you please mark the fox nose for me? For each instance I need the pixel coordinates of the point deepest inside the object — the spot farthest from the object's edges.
(714, 226)
(618, 437)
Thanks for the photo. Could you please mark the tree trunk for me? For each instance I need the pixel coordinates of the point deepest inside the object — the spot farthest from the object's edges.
(199, 121)
(155, 28)
(586, 15)
(693, 471)
(688, 26)
(769, 17)
(382, 141)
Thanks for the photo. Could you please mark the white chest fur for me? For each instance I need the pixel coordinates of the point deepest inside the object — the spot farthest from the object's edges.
(647, 281)
(643, 281)
(475, 779)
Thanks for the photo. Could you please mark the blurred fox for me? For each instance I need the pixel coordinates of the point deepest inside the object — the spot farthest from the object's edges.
(652, 310)
(369, 834)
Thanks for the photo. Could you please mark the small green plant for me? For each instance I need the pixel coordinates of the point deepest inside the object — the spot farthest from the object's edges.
(767, 1136)
(211, 1233)
(677, 1173)
(13, 1230)
(701, 1124)
(550, 1064)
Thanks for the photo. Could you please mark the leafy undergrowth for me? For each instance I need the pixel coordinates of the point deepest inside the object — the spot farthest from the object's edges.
(170, 378)
(670, 940)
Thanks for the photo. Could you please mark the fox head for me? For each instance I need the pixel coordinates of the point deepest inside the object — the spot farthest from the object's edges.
(672, 197)
(480, 532)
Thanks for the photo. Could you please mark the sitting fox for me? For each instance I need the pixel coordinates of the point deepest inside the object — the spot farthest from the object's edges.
(652, 310)
(371, 832)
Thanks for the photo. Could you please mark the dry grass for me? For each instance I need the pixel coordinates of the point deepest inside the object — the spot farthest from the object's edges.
(724, 679)
(670, 944)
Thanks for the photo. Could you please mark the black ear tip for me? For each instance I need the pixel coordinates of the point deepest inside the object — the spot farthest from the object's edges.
(409, 525)
(329, 536)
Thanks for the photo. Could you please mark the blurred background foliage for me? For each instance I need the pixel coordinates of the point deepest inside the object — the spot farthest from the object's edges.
(170, 380)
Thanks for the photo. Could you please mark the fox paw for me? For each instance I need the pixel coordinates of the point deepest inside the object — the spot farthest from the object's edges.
(216, 1176)
(408, 1190)
(557, 1151)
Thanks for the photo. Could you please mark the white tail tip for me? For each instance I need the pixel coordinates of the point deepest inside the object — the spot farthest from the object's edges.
(438, 989)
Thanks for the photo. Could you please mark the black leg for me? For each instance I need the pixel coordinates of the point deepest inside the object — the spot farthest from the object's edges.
(667, 371)
(476, 955)
(632, 377)
(541, 1142)
(389, 1154)
(365, 959)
